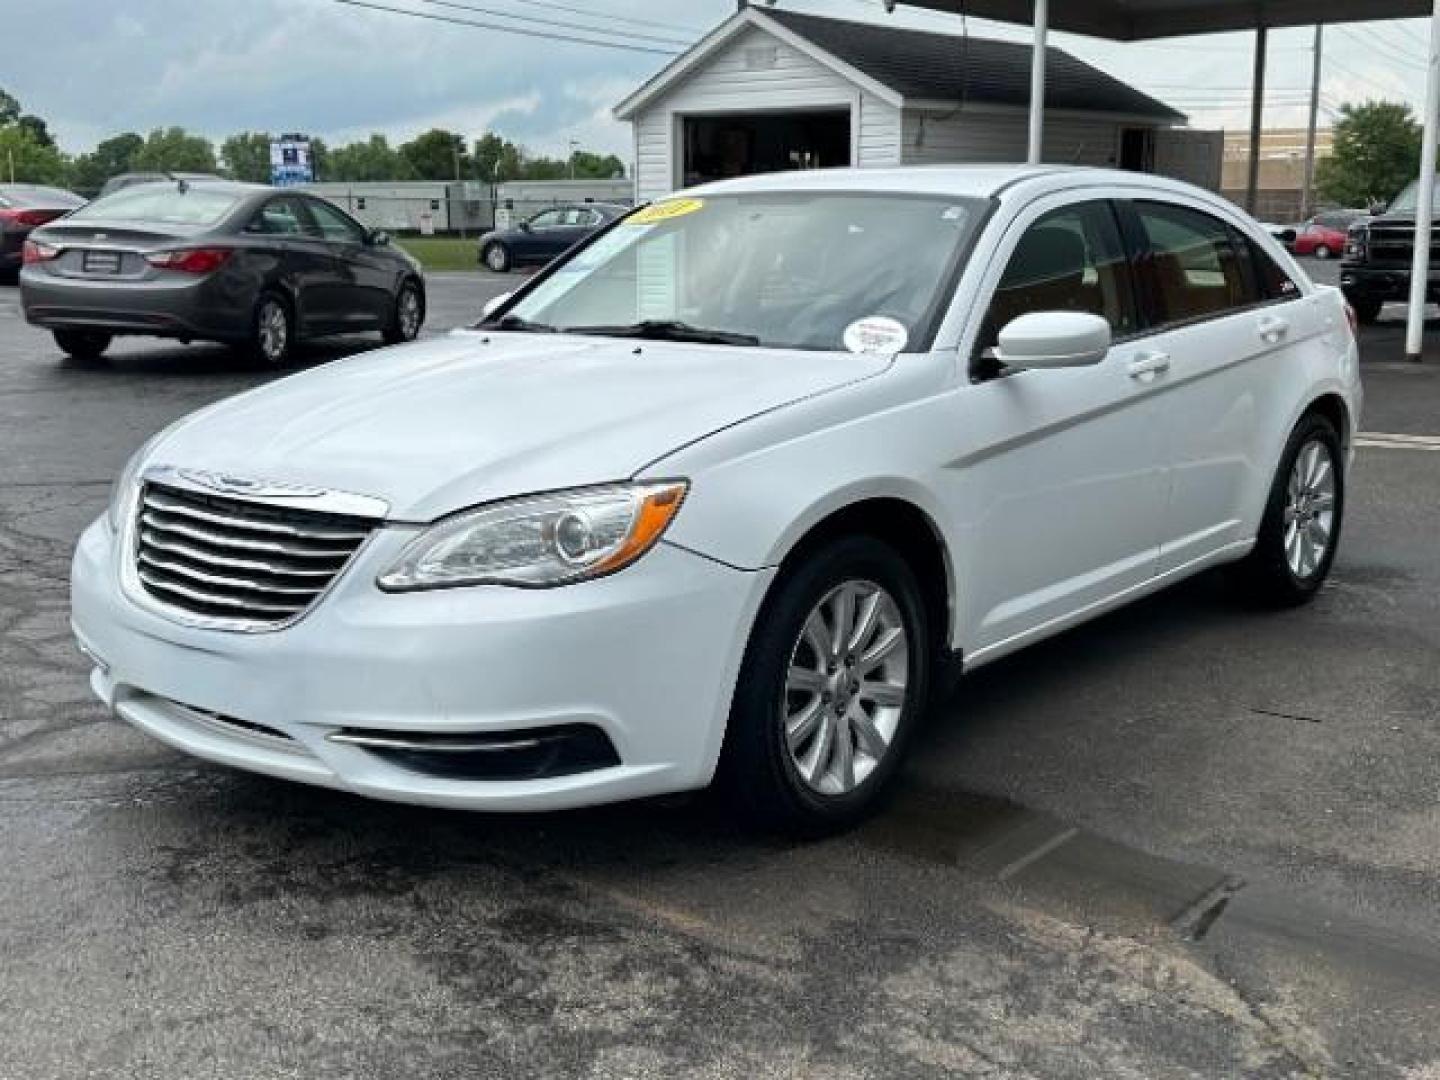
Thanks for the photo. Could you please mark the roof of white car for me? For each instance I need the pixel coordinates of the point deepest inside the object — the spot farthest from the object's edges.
(973, 181)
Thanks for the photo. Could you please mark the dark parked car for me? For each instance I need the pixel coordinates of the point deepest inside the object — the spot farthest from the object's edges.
(24, 208)
(219, 261)
(549, 233)
(130, 179)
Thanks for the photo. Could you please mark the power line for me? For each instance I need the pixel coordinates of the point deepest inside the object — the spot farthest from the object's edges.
(537, 21)
(595, 16)
(543, 34)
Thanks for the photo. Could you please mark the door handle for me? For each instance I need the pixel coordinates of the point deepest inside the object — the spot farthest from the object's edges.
(1273, 330)
(1148, 364)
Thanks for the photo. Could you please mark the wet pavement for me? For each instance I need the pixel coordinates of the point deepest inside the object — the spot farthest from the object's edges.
(1188, 840)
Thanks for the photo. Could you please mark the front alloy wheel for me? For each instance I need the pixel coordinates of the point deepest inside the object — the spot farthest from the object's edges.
(408, 316)
(845, 690)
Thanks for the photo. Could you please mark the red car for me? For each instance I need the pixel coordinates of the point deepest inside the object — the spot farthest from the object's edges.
(1324, 235)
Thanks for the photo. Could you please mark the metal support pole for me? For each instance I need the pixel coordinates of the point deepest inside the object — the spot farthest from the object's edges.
(1307, 197)
(1257, 118)
(1037, 82)
(1425, 206)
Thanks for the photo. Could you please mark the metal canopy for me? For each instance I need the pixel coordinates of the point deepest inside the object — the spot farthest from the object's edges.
(1137, 20)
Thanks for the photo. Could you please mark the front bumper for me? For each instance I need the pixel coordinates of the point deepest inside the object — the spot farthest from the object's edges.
(1385, 283)
(649, 656)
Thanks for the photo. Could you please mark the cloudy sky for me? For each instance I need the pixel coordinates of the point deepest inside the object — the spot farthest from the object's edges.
(94, 67)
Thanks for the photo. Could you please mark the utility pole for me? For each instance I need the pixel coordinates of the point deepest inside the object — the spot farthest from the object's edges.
(574, 146)
(1257, 119)
(10, 153)
(1307, 197)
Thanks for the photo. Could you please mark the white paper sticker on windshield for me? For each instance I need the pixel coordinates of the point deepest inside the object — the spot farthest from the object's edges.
(877, 334)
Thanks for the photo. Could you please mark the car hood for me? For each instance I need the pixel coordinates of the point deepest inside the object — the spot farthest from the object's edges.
(448, 423)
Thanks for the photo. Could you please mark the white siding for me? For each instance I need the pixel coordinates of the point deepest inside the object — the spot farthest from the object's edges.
(985, 137)
(755, 72)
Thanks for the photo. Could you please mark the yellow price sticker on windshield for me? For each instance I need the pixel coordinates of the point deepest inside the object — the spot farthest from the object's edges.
(664, 211)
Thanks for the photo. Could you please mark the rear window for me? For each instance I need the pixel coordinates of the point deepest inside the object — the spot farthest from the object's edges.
(162, 206)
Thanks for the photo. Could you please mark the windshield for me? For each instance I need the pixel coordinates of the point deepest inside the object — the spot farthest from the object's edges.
(162, 205)
(1408, 200)
(787, 270)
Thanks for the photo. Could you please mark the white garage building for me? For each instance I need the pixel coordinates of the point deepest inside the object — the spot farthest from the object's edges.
(773, 89)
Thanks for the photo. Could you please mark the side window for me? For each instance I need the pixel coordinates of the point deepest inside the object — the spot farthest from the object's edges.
(278, 217)
(1071, 259)
(1196, 263)
(550, 219)
(1274, 282)
(334, 225)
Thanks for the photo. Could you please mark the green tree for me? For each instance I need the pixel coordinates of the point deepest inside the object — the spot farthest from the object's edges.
(175, 150)
(246, 156)
(9, 108)
(39, 129)
(591, 166)
(496, 159)
(111, 157)
(320, 159)
(371, 160)
(1377, 152)
(26, 160)
(436, 155)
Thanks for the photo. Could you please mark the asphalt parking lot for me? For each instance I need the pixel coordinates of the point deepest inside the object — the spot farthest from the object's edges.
(1187, 840)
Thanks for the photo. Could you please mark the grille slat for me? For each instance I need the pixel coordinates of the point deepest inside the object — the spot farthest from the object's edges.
(245, 563)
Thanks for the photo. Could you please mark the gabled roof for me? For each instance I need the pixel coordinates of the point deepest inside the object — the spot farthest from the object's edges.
(906, 66)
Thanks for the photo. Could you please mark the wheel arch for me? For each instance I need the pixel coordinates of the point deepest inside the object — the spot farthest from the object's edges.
(905, 526)
(1334, 408)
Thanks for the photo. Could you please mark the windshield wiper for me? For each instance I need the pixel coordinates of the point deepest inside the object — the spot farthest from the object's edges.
(516, 323)
(668, 330)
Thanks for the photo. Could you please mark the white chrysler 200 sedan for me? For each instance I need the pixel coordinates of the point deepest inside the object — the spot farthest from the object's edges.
(723, 492)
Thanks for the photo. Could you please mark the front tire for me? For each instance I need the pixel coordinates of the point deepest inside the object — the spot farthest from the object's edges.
(496, 257)
(835, 678)
(408, 315)
(1300, 531)
(1323, 252)
(83, 345)
(272, 335)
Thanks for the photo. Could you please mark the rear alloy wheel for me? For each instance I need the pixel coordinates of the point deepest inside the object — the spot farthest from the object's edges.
(1301, 528)
(835, 678)
(87, 345)
(1323, 252)
(408, 316)
(274, 332)
(496, 257)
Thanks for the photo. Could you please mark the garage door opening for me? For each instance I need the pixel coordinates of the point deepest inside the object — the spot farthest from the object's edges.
(717, 147)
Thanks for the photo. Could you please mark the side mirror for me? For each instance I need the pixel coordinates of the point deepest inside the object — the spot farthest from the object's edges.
(1286, 236)
(494, 304)
(1378, 208)
(1055, 339)
(525, 226)
(378, 238)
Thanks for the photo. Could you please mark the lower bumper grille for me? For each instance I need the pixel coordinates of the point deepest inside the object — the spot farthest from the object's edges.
(519, 755)
(226, 559)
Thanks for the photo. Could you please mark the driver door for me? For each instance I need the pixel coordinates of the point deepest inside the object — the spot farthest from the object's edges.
(1063, 485)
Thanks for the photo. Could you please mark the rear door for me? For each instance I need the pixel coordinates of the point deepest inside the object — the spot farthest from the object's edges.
(551, 233)
(1228, 320)
(281, 237)
(363, 278)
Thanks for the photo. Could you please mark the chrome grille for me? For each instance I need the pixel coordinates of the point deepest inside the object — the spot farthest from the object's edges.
(255, 564)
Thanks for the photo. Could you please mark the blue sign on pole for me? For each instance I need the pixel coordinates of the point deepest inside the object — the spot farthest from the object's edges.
(290, 161)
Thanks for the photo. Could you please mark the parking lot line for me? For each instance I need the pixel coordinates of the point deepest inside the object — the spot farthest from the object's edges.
(1371, 440)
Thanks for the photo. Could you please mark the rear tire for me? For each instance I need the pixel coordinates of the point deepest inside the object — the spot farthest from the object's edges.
(1367, 311)
(408, 315)
(83, 345)
(816, 731)
(1300, 531)
(496, 258)
(272, 333)
(1323, 251)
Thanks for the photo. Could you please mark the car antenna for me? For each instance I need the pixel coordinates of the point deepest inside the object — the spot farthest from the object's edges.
(181, 184)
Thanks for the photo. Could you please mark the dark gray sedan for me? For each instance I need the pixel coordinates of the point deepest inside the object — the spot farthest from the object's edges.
(240, 263)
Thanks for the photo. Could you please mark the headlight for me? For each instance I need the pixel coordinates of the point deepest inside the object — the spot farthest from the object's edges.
(539, 541)
(122, 492)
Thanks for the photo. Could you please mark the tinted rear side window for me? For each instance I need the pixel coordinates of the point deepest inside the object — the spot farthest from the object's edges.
(1197, 267)
(1274, 282)
(162, 206)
